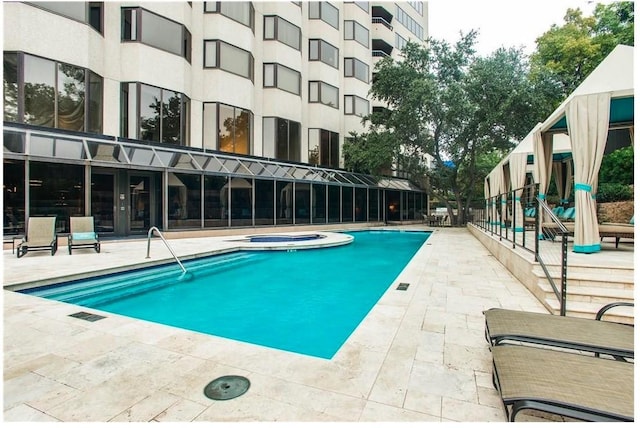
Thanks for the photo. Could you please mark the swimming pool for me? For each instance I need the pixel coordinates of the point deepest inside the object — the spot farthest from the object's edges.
(306, 301)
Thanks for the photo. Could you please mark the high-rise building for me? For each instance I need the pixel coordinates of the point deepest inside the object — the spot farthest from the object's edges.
(185, 101)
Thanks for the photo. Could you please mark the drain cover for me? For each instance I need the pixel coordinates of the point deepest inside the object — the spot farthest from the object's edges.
(403, 286)
(226, 387)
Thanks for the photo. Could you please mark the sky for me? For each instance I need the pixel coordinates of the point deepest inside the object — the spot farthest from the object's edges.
(500, 23)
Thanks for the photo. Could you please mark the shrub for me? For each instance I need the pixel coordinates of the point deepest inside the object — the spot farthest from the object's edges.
(617, 167)
(614, 192)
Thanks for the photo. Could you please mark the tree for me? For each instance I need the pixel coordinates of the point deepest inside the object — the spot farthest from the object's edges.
(570, 52)
(445, 102)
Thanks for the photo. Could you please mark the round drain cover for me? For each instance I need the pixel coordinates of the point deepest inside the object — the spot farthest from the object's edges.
(226, 387)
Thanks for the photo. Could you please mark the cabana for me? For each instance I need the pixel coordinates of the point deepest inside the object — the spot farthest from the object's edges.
(602, 102)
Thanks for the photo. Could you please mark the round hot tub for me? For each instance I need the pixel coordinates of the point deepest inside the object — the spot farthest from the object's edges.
(285, 238)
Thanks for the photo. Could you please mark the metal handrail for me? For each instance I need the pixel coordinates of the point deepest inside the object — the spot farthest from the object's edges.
(155, 229)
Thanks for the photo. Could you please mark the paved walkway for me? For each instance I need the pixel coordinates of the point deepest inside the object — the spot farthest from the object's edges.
(420, 354)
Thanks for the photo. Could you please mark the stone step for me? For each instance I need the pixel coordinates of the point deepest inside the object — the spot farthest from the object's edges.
(622, 314)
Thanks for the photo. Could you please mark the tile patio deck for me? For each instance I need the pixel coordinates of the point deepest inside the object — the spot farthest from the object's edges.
(419, 355)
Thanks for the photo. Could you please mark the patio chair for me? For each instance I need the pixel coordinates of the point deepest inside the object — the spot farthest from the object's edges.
(41, 235)
(582, 334)
(82, 234)
(563, 383)
(617, 230)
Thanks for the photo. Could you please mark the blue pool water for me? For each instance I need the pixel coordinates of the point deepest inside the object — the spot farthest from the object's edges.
(306, 301)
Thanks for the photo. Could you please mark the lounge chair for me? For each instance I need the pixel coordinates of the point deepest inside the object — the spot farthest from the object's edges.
(41, 235)
(563, 383)
(583, 334)
(616, 230)
(82, 234)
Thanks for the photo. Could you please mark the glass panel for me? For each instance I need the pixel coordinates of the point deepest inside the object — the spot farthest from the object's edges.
(210, 126)
(269, 27)
(103, 152)
(393, 205)
(71, 9)
(71, 94)
(241, 202)
(103, 201)
(314, 50)
(10, 84)
(226, 129)
(41, 146)
(289, 34)
(140, 199)
(171, 117)
(264, 202)
(314, 146)
(237, 10)
(288, 80)
(294, 141)
(140, 156)
(210, 53)
(269, 75)
(282, 139)
(215, 201)
(329, 54)
(334, 203)
(255, 168)
(242, 131)
(56, 190)
(161, 33)
(39, 91)
(329, 14)
(303, 203)
(13, 142)
(361, 204)
(69, 149)
(373, 205)
(214, 165)
(347, 204)
(94, 104)
(184, 196)
(235, 60)
(284, 202)
(150, 100)
(319, 203)
(181, 160)
(13, 200)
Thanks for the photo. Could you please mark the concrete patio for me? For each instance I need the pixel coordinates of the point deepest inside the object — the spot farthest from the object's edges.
(419, 355)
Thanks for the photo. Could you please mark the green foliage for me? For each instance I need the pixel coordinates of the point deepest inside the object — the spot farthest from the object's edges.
(370, 154)
(614, 192)
(617, 167)
(570, 52)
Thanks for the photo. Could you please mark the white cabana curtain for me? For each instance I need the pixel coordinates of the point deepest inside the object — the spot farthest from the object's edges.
(542, 161)
(518, 176)
(487, 196)
(494, 188)
(588, 125)
(504, 188)
(563, 175)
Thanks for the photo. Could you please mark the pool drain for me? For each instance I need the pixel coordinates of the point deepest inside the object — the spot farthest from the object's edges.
(227, 387)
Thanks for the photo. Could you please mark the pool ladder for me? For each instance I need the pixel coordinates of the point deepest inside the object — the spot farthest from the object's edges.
(150, 234)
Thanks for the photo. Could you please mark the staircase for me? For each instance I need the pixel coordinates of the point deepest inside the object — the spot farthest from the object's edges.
(590, 288)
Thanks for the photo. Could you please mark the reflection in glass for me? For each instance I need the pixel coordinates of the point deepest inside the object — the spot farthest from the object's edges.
(10, 85)
(334, 198)
(103, 201)
(71, 94)
(303, 203)
(171, 114)
(184, 199)
(94, 106)
(150, 99)
(264, 202)
(13, 197)
(361, 204)
(39, 91)
(347, 204)
(373, 205)
(284, 202)
(216, 211)
(393, 205)
(226, 130)
(241, 202)
(319, 203)
(140, 199)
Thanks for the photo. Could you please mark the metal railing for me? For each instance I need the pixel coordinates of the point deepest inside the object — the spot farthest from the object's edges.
(379, 20)
(535, 230)
(155, 229)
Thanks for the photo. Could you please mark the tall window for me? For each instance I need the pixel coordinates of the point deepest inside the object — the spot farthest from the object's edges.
(401, 42)
(227, 128)
(353, 67)
(320, 92)
(88, 12)
(364, 5)
(218, 54)
(281, 77)
(240, 11)
(355, 105)
(164, 114)
(140, 25)
(281, 139)
(276, 28)
(319, 50)
(324, 11)
(355, 31)
(42, 92)
(324, 148)
(409, 23)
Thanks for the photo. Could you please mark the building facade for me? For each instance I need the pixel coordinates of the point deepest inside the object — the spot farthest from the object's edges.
(189, 115)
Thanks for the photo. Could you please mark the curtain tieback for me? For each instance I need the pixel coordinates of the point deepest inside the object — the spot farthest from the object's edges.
(582, 186)
(517, 199)
(541, 196)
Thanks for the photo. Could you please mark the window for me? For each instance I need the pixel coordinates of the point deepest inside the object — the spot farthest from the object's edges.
(324, 148)
(353, 67)
(417, 5)
(401, 42)
(218, 54)
(364, 5)
(324, 11)
(281, 77)
(320, 92)
(276, 28)
(140, 25)
(355, 31)
(43, 92)
(409, 22)
(164, 114)
(281, 139)
(354, 105)
(319, 50)
(240, 11)
(227, 128)
(87, 12)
